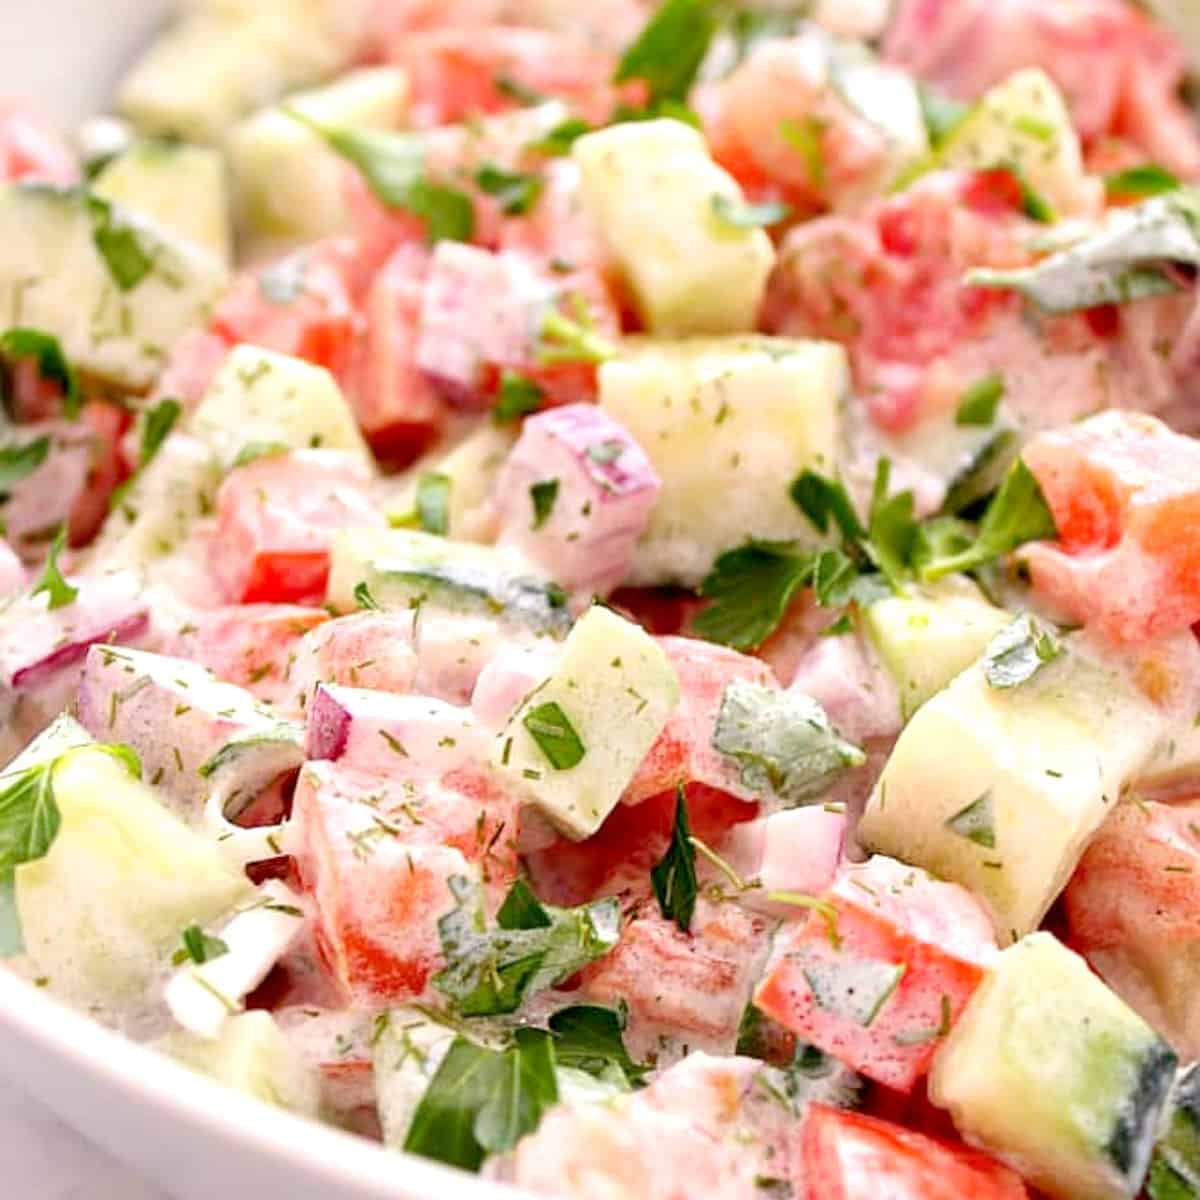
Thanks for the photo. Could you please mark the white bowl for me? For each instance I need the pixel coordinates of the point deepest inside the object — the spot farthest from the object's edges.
(195, 1138)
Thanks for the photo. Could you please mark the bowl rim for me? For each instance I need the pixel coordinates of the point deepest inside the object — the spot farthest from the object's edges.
(212, 1109)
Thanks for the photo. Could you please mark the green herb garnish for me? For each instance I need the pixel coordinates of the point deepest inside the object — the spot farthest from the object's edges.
(555, 736)
(674, 876)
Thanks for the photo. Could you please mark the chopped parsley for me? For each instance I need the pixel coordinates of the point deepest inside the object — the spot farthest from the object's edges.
(52, 365)
(542, 496)
(670, 49)
(20, 460)
(517, 191)
(980, 401)
(976, 822)
(674, 876)
(59, 593)
(363, 597)
(807, 138)
(198, 947)
(1018, 652)
(518, 396)
(564, 339)
(589, 1038)
(533, 946)
(751, 589)
(252, 451)
(433, 502)
(393, 166)
(558, 142)
(555, 736)
(1148, 179)
(119, 244)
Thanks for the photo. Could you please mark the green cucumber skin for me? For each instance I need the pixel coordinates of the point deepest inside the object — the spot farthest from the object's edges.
(1132, 1141)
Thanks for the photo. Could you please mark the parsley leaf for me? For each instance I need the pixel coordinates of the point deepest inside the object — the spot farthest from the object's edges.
(942, 114)
(1017, 514)
(535, 946)
(820, 499)
(543, 496)
(1148, 179)
(517, 191)
(47, 352)
(674, 876)
(198, 947)
(394, 168)
(588, 1038)
(518, 395)
(119, 244)
(18, 462)
(892, 530)
(255, 450)
(363, 597)
(59, 593)
(1126, 258)
(1018, 652)
(555, 736)
(433, 502)
(976, 822)
(670, 49)
(782, 741)
(29, 815)
(482, 1101)
(980, 401)
(751, 589)
(561, 138)
(739, 215)
(157, 423)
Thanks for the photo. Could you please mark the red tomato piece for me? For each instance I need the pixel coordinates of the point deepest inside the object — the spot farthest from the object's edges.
(878, 978)
(849, 1156)
(108, 423)
(696, 984)
(1125, 494)
(1133, 910)
(276, 517)
(252, 645)
(400, 412)
(191, 366)
(376, 856)
(302, 306)
(684, 751)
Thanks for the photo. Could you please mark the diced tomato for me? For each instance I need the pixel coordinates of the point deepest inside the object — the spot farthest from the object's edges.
(848, 1156)
(1125, 494)
(1133, 910)
(108, 423)
(31, 150)
(376, 856)
(631, 841)
(276, 517)
(302, 306)
(400, 412)
(696, 984)
(249, 644)
(660, 611)
(878, 977)
(463, 72)
(684, 752)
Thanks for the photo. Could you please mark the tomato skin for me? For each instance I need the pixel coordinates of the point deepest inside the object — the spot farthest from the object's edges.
(108, 423)
(848, 1156)
(935, 935)
(276, 517)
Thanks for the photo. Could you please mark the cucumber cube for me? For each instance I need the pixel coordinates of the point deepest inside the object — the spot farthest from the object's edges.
(1050, 1071)
(575, 743)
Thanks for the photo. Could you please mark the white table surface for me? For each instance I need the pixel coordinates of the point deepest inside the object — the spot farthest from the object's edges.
(43, 1159)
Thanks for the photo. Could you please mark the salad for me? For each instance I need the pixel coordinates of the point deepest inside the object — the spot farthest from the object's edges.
(607, 594)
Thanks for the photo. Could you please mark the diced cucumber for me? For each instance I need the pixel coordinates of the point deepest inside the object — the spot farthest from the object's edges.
(650, 186)
(927, 638)
(224, 58)
(252, 1055)
(1049, 1070)
(471, 467)
(181, 188)
(274, 158)
(171, 492)
(1024, 123)
(402, 568)
(1000, 789)
(260, 398)
(122, 879)
(575, 742)
(116, 290)
(728, 424)
(1175, 1167)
